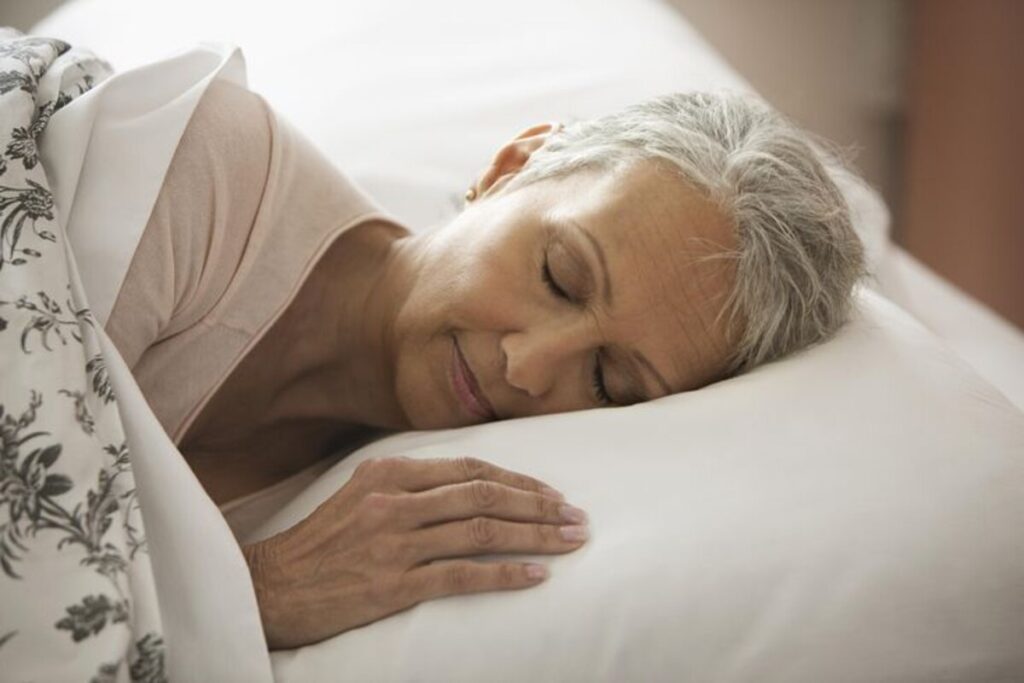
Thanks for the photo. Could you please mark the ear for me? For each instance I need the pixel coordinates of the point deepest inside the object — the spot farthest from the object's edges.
(512, 156)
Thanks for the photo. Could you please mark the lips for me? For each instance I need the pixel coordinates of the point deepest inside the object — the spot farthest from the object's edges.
(466, 388)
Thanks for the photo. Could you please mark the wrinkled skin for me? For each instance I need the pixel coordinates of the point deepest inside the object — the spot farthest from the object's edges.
(387, 308)
(533, 349)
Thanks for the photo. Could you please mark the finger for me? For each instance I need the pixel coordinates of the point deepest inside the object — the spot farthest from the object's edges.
(481, 497)
(419, 475)
(482, 535)
(458, 577)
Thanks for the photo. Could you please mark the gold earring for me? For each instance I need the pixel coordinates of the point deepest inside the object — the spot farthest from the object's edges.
(470, 194)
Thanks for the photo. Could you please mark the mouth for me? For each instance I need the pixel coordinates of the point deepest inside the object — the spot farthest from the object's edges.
(466, 388)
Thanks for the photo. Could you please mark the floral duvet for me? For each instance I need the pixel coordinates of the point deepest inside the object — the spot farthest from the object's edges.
(82, 595)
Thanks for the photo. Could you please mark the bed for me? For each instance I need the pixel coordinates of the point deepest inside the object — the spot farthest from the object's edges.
(851, 513)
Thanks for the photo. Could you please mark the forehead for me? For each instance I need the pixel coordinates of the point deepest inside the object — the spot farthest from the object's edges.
(646, 201)
(666, 247)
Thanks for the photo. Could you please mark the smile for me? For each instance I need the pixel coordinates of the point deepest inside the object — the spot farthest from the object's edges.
(466, 388)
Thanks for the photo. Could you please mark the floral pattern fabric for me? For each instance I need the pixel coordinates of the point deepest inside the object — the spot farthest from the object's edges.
(77, 595)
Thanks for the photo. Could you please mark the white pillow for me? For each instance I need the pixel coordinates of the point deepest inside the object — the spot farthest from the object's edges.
(851, 513)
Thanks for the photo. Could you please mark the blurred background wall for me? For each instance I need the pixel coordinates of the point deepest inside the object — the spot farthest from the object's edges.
(925, 94)
(928, 95)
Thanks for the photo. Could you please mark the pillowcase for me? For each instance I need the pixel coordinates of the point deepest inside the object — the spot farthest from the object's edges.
(852, 512)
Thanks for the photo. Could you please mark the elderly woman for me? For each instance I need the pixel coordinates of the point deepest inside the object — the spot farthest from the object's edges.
(273, 312)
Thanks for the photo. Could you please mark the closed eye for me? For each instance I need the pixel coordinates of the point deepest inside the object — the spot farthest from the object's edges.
(549, 280)
(600, 390)
(597, 379)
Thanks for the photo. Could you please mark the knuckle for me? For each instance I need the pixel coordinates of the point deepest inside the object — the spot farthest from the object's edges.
(367, 469)
(525, 483)
(483, 532)
(367, 464)
(545, 507)
(376, 508)
(545, 534)
(458, 577)
(387, 466)
(484, 495)
(472, 468)
(380, 469)
(376, 501)
(393, 462)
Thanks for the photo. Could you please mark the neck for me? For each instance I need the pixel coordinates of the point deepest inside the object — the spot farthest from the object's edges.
(336, 355)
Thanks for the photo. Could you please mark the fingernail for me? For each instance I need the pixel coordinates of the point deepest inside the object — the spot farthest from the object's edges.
(572, 514)
(573, 533)
(536, 571)
(550, 492)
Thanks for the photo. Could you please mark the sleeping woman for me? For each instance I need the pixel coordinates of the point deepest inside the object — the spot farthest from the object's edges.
(272, 312)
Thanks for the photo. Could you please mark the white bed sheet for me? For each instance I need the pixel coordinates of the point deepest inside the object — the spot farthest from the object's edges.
(993, 346)
(889, 554)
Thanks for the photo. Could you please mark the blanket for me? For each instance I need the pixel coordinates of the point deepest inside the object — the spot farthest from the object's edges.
(101, 519)
(72, 539)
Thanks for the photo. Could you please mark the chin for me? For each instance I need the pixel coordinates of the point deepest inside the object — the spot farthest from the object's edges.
(431, 419)
(419, 396)
(433, 411)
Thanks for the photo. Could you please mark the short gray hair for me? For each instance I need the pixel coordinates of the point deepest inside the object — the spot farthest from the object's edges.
(798, 257)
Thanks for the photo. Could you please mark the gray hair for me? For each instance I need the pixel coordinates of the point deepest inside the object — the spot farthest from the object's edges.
(798, 257)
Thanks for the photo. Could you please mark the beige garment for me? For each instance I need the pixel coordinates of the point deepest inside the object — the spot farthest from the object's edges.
(246, 210)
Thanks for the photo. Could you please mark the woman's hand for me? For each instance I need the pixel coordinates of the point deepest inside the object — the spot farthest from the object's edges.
(379, 545)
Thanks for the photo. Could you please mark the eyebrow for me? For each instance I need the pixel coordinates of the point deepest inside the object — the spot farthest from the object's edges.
(607, 291)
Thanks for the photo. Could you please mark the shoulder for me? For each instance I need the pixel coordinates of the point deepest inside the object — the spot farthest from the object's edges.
(213, 192)
(232, 125)
(201, 220)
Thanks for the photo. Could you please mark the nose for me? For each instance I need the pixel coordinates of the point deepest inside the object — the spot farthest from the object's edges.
(536, 357)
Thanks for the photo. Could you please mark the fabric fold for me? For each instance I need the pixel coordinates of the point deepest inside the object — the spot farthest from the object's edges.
(116, 564)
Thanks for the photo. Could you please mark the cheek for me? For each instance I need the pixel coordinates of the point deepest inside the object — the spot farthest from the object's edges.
(476, 282)
(499, 284)
(420, 389)
(474, 290)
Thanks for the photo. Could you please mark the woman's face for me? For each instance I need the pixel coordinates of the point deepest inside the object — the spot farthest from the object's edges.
(578, 292)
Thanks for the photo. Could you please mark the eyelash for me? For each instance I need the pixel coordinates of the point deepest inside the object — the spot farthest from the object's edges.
(597, 380)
